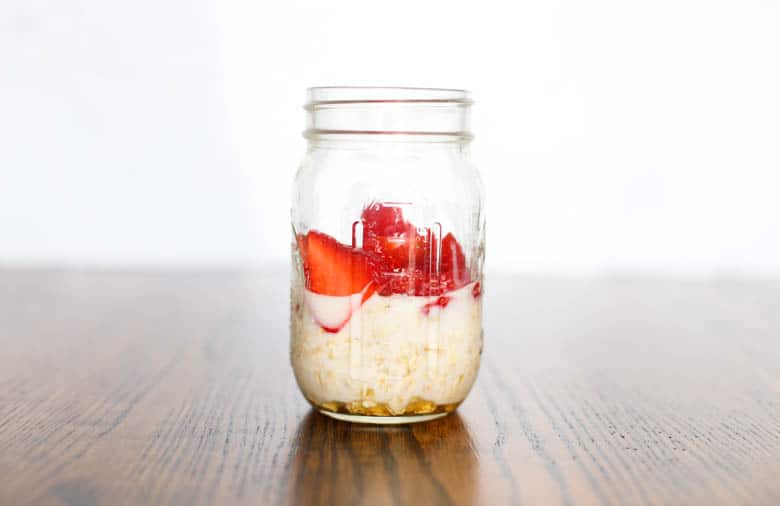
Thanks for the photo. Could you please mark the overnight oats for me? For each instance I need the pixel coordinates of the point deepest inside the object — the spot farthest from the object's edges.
(386, 310)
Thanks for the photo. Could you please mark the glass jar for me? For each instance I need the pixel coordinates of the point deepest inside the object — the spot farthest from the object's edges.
(387, 253)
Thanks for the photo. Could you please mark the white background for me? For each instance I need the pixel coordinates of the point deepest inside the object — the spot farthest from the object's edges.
(612, 136)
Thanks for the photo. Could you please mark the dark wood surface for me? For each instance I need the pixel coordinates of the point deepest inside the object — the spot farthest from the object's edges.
(131, 388)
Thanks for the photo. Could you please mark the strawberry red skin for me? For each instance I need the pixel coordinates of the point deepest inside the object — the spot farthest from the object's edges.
(453, 261)
(408, 254)
(410, 250)
(332, 268)
(440, 302)
(380, 220)
(386, 233)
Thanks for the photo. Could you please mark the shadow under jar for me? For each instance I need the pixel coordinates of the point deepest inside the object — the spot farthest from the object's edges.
(387, 253)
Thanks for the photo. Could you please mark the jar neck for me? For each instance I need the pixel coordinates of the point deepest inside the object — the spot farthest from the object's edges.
(388, 115)
(389, 143)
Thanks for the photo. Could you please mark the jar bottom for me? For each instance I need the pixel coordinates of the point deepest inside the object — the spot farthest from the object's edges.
(418, 410)
(383, 420)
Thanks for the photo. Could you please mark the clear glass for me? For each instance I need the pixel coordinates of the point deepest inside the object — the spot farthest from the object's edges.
(387, 254)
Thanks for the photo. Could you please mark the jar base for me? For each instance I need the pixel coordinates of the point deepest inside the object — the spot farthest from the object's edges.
(383, 420)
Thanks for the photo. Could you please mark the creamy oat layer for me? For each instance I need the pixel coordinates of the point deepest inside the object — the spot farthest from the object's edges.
(389, 355)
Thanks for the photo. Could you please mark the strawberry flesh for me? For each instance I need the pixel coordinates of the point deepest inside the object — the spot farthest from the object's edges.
(453, 262)
(333, 330)
(332, 268)
(440, 302)
(409, 254)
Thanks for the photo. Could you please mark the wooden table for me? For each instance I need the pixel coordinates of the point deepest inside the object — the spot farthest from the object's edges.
(143, 388)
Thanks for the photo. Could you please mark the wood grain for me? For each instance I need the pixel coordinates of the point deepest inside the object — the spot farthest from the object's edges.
(155, 388)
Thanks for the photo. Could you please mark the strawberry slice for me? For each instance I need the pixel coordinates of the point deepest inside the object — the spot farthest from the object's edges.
(453, 262)
(386, 233)
(332, 268)
(391, 237)
(407, 251)
(408, 254)
(476, 290)
(383, 220)
(440, 302)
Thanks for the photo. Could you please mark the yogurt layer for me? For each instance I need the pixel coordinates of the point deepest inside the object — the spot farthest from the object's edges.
(391, 350)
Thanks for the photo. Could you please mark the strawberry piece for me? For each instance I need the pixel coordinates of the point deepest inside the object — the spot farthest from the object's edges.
(332, 268)
(440, 302)
(386, 233)
(400, 245)
(406, 251)
(453, 262)
(476, 290)
(380, 220)
(420, 278)
(407, 254)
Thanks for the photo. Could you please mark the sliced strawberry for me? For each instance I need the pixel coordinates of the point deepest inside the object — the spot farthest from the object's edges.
(421, 278)
(387, 234)
(408, 254)
(407, 251)
(383, 220)
(453, 262)
(332, 268)
(440, 302)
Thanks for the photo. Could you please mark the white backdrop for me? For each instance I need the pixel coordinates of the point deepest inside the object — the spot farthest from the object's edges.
(612, 136)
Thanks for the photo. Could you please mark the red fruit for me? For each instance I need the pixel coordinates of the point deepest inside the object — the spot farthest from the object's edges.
(333, 330)
(332, 268)
(476, 291)
(407, 255)
(441, 302)
(386, 233)
(407, 251)
(453, 262)
(380, 220)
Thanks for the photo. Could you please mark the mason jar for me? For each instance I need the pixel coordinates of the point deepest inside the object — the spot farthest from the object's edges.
(387, 254)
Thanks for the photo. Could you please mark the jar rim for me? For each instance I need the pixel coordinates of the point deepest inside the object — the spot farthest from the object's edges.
(336, 95)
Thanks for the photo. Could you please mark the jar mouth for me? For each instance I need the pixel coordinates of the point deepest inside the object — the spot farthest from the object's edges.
(335, 95)
(379, 110)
